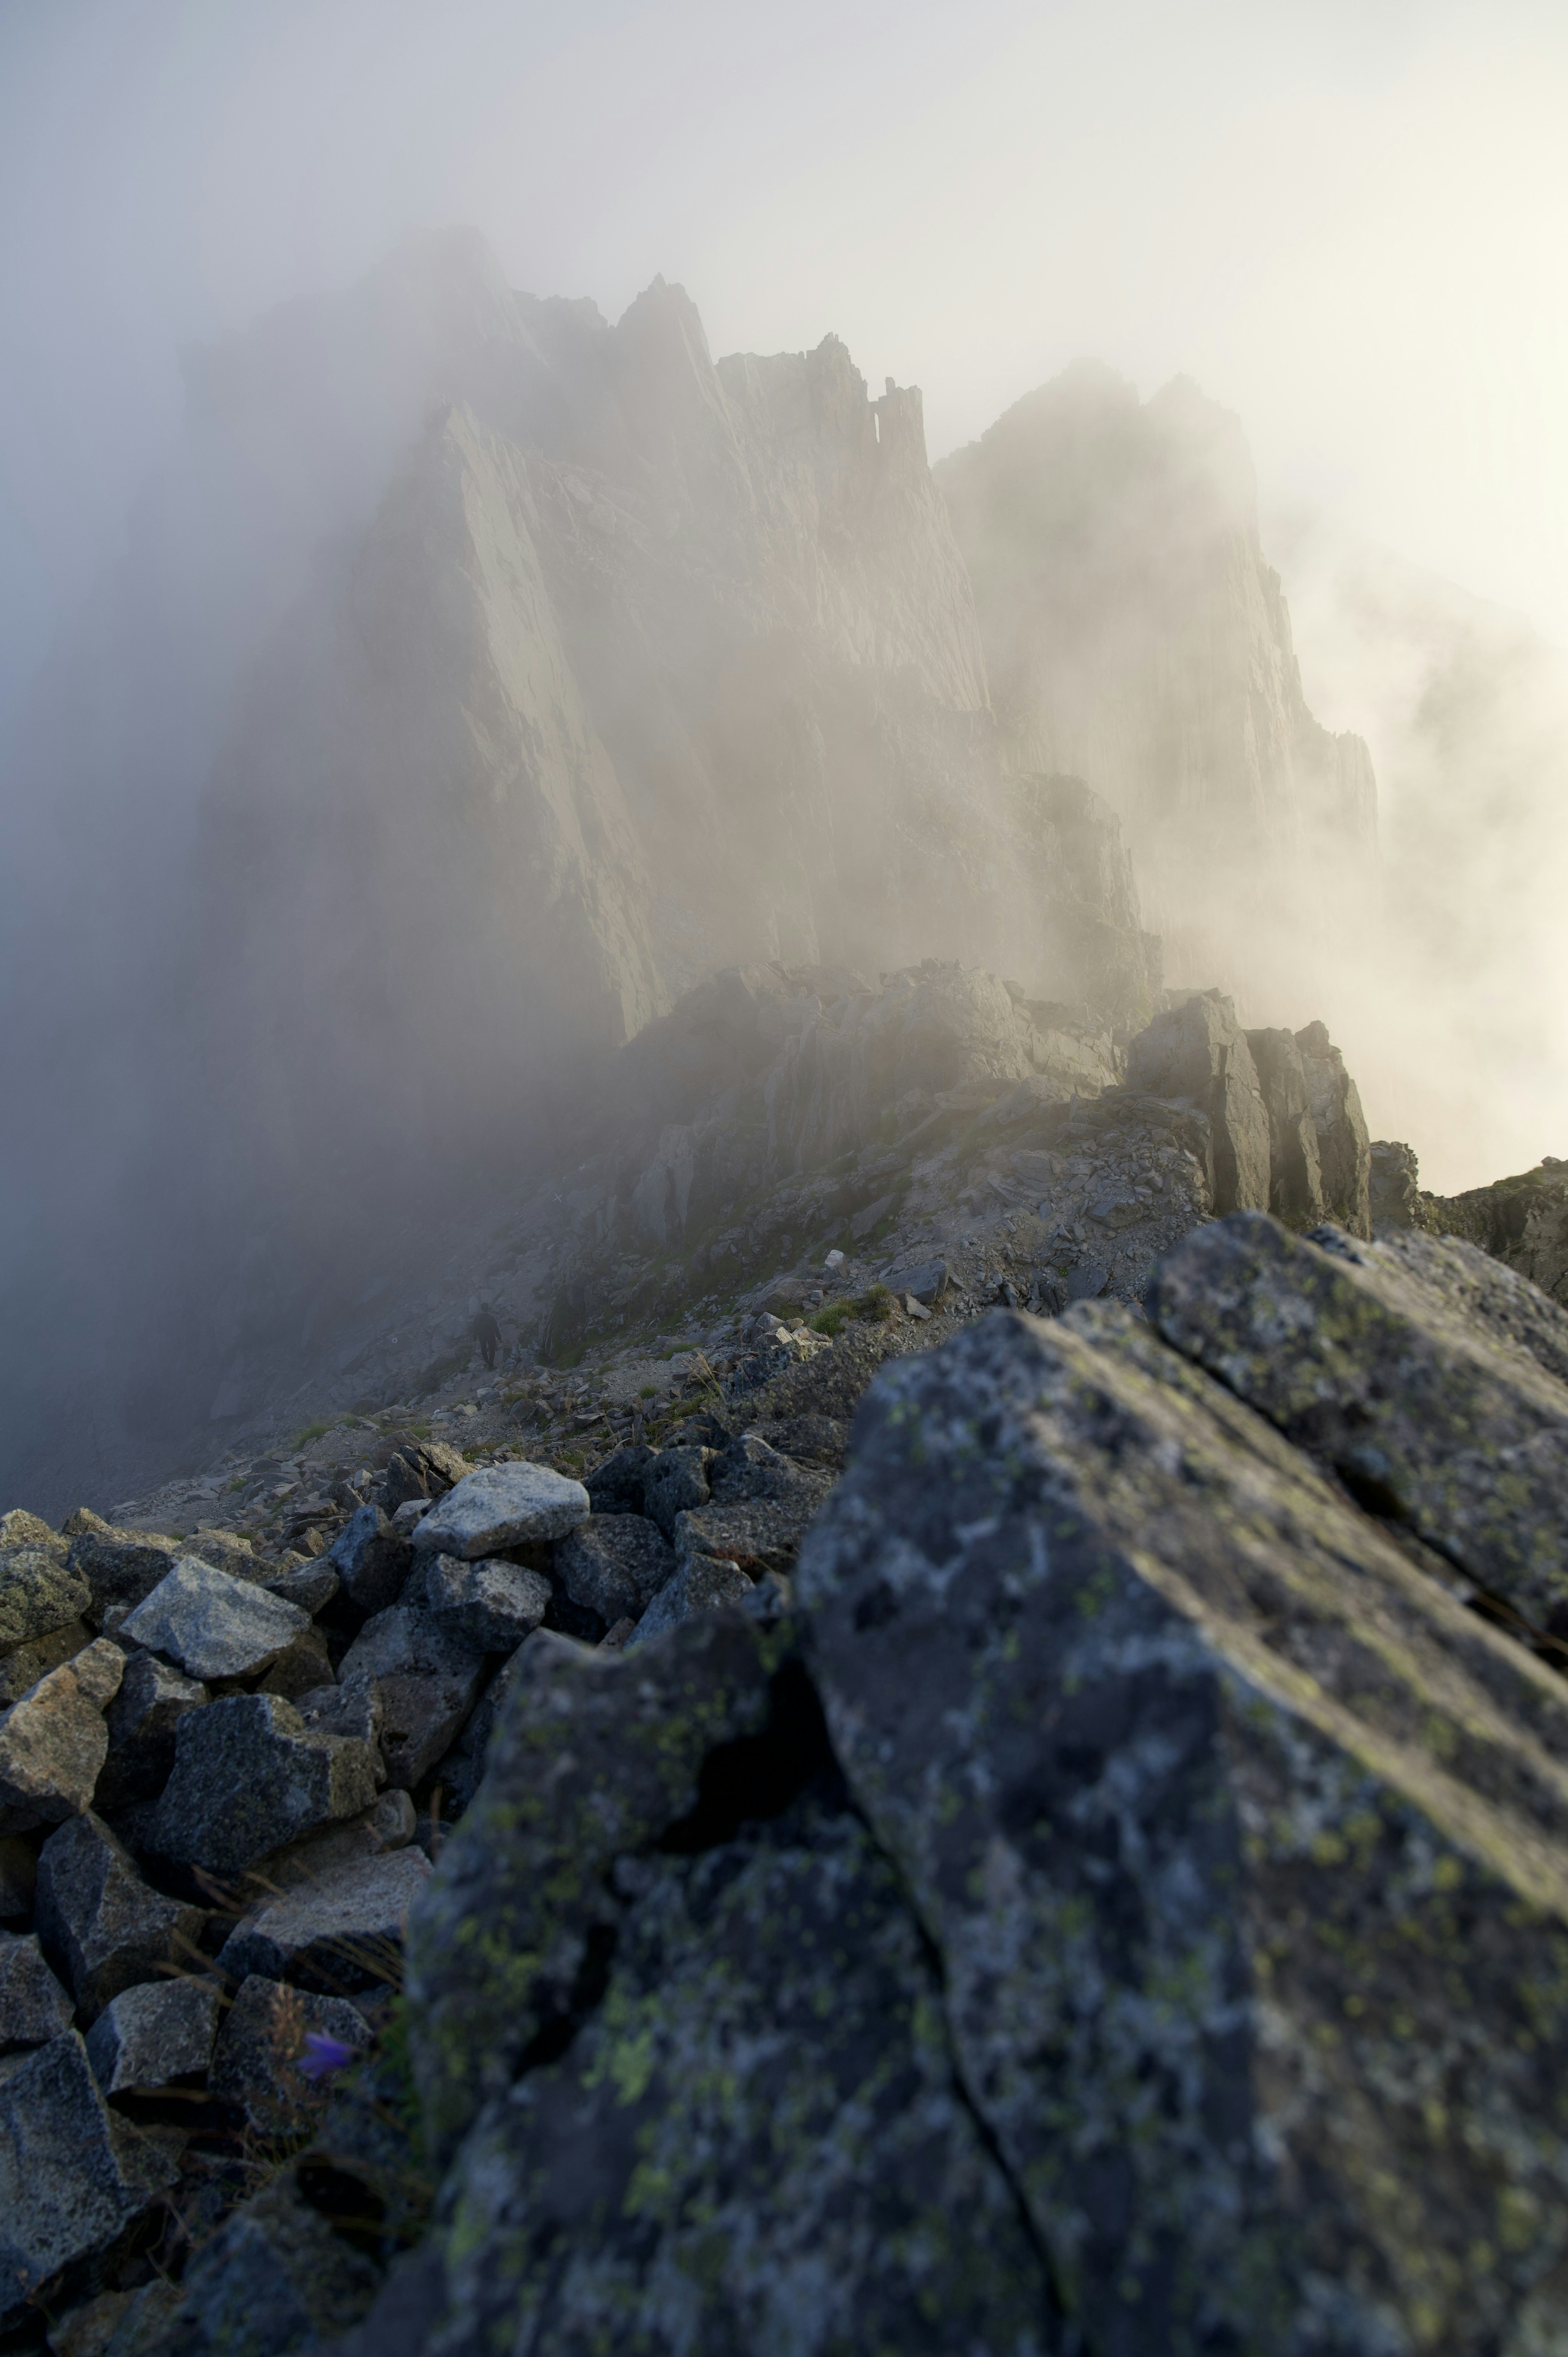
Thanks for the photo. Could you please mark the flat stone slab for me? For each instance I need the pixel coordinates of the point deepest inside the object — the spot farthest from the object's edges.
(341, 1931)
(503, 1506)
(33, 2005)
(153, 2034)
(212, 1625)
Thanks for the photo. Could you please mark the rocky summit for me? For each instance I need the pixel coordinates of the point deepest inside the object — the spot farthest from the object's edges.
(963, 1744)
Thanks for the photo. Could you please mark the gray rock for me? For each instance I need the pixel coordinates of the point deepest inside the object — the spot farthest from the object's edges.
(615, 1563)
(926, 1280)
(37, 1594)
(1394, 1377)
(262, 2043)
(276, 2280)
(18, 1870)
(494, 1605)
(1087, 1282)
(373, 1560)
(33, 2005)
(53, 1743)
(21, 1529)
(422, 1471)
(616, 1486)
(607, 1747)
(465, 1764)
(249, 1777)
(226, 1551)
(700, 1583)
(340, 1930)
(1343, 1146)
(1395, 1191)
(1296, 1170)
(389, 1823)
(108, 1926)
(121, 1566)
(21, 1669)
(310, 1586)
(141, 1722)
(71, 2175)
(407, 1517)
(354, 1709)
(302, 1667)
(1184, 1765)
(151, 2035)
(1199, 1050)
(503, 1506)
(429, 1678)
(676, 1481)
(212, 1624)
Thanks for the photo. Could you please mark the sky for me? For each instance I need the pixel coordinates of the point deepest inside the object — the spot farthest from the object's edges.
(1347, 221)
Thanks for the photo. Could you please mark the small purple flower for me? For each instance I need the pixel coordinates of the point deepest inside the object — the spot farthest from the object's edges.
(323, 2055)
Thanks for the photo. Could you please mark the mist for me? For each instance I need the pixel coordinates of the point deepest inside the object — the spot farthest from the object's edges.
(286, 616)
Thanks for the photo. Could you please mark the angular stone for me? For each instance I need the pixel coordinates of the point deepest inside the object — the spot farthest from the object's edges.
(372, 1559)
(340, 1930)
(121, 1566)
(71, 2177)
(249, 1776)
(422, 1470)
(1295, 1171)
(310, 1586)
(1383, 1361)
(700, 1583)
(18, 1872)
(1238, 1837)
(53, 1743)
(21, 1669)
(925, 1281)
(355, 1709)
(616, 1486)
(837, 2196)
(37, 1594)
(102, 1919)
(21, 1529)
(1344, 1146)
(503, 1506)
(607, 1749)
(212, 1624)
(494, 1605)
(302, 1667)
(151, 2035)
(142, 1720)
(465, 1764)
(33, 2005)
(675, 1481)
(389, 1823)
(1395, 1191)
(262, 2043)
(226, 1551)
(615, 1563)
(429, 1678)
(1199, 1050)
(276, 2278)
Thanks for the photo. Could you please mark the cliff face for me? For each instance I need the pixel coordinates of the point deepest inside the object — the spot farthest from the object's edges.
(1135, 634)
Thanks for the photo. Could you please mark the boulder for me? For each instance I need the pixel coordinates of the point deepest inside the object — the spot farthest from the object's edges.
(676, 1481)
(249, 1777)
(422, 1470)
(372, 1559)
(1238, 1836)
(21, 1669)
(429, 1679)
(142, 1721)
(339, 1929)
(503, 1506)
(212, 1625)
(226, 1551)
(1395, 1194)
(121, 1566)
(37, 1594)
(615, 1562)
(276, 2278)
(492, 1604)
(33, 2005)
(616, 1486)
(262, 2041)
(1396, 1377)
(1295, 1171)
(1199, 1051)
(925, 1281)
(304, 1666)
(53, 1743)
(353, 1709)
(151, 2035)
(72, 2177)
(21, 1529)
(1344, 1146)
(310, 1586)
(98, 1915)
(700, 1583)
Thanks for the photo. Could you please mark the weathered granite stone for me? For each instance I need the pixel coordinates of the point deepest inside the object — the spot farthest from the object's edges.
(121, 1566)
(756, 2131)
(98, 1915)
(616, 1486)
(389, 1823)
(1295, 1172)
(429, 1679)
(1395, 1187)
(53, 1743)
(21, 1669)
(141, 1722)
(310, 1586)
(21, 1529)
(1344, 1146)
(212, 1625)
(422, 1470)
(615, 1563)
(342, 1929)
(373, 1560)
(494, 1605)
(1383, 1361)
(1238, 1836)
(304, 1666)
(262, 2043)
(275, 2278)
(592, 1754)
(1199, 1050)
(354, 1708)
(675, 1481)
(33, 2005)
(37, 1594)
(700, 1583)
(249, 1776)
(153, 2034)
(503, 1506)
(71, 2175)
(226, 1551)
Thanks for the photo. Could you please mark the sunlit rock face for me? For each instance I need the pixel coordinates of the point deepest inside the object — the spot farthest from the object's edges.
(1135, 635)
